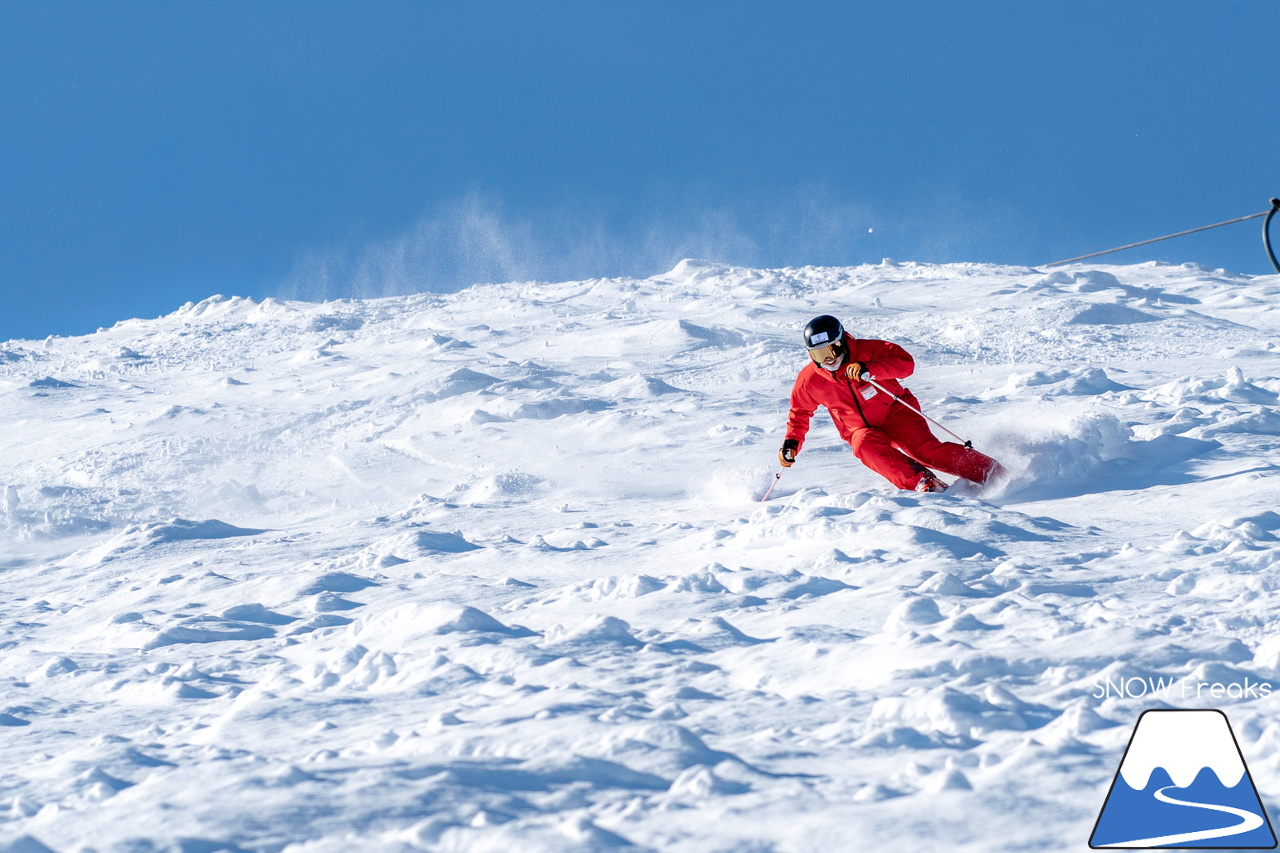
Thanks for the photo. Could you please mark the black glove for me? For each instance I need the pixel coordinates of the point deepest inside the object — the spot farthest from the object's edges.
(787, 455)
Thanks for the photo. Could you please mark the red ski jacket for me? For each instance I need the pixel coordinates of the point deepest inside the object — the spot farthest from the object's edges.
(853, 404)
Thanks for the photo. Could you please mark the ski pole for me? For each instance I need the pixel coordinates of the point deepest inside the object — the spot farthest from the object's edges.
(897, 399)
(776, 478)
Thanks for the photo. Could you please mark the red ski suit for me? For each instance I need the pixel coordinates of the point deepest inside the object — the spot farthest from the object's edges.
(887, 437)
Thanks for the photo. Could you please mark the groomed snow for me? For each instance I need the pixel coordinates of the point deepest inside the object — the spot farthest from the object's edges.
(488, 571)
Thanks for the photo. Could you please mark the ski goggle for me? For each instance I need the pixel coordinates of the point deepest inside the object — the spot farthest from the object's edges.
(822, 353)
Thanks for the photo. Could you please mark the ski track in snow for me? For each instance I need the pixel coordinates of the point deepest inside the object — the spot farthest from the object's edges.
(488, 571)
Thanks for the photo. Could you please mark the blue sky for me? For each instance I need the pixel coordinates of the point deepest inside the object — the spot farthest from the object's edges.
(154, 153)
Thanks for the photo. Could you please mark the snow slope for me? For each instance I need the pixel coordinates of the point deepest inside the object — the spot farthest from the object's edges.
(487, 571)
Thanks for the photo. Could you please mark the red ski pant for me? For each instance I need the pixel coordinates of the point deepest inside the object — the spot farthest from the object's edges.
(901, 447)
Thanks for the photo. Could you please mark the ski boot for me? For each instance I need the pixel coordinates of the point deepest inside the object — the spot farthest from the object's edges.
(930, 483)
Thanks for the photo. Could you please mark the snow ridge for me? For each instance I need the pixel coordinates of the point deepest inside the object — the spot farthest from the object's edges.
(488, 570)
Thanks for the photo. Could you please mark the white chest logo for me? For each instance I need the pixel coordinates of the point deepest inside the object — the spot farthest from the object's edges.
(869, 392)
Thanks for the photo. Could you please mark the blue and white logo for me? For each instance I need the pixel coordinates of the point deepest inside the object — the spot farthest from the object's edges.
(1183, 783)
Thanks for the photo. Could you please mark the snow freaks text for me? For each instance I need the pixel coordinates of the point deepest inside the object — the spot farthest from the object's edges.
(1178, 688)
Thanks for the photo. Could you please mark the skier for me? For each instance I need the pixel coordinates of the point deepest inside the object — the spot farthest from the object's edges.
(886, 435)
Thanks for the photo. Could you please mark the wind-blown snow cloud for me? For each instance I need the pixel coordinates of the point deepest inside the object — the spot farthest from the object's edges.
(479, 239)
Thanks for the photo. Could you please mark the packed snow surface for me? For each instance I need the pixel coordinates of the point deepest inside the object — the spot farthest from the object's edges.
(489, 571)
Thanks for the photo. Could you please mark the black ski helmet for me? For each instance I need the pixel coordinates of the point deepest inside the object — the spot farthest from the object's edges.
(822, 331)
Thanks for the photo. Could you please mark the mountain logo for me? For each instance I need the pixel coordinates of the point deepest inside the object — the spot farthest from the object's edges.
(1183, 783)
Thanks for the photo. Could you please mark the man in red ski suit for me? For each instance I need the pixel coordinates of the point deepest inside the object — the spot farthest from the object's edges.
(887, 436)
